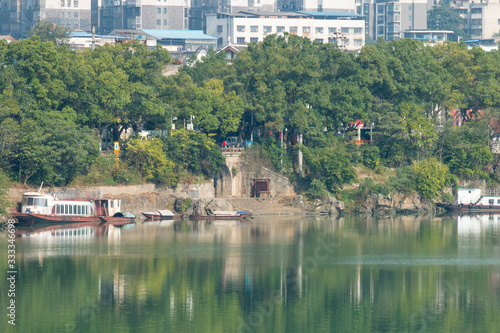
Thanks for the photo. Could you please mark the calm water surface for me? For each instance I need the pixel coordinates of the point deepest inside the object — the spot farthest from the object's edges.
(267, 275)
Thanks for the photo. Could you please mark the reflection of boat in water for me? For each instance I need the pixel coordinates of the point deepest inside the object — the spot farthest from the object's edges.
(163, 214)
(38, 207)
(473, 200)
(81, 230)
(222, 215)
(161, 223)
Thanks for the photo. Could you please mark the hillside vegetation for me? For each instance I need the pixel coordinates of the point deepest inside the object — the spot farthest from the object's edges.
(54, 102)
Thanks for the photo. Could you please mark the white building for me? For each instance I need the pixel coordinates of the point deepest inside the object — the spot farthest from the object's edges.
(325, 27)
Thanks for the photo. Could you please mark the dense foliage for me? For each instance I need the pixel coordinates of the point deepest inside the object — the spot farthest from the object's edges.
(54, 102)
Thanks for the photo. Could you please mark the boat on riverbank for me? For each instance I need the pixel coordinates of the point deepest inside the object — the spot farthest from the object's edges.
(474, 200)
(39, 207)
(222, 215)
(164, 214)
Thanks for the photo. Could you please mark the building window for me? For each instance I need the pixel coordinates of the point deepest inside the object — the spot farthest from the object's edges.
(164, 22)
(62, 14)
(358, 30)
(68, 3)
(158, 22)
(240, 40)
(240, 28)
(409, 7)
(164, 10)
(62, 4)
(380, 9)
(409, 18)
(254, 28)
(219, 28)
(254, 40)
(319, 40)
(345, 30)
(75, 14)
(380, 30)
(75, 3)
(306, 30)
(380, 19)
(268, 29)
(345, 42)
(332, 30)
(158, 10)
(358, 42)
(293, 30)
(280, 29)
(319, 30)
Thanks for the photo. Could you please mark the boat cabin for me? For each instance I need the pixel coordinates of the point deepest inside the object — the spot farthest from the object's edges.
(475, 196)
(37, 203)
(40, 203)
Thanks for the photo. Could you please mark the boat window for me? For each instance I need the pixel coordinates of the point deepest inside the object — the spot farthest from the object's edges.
(40, 202)
(30, 202)
(498, 201)
(86, 210)
(70, 209)
(118, 203)
(75, 209)
(58, 209)
(112, 202)
(79, 210)
(25, 201)
(491, 201)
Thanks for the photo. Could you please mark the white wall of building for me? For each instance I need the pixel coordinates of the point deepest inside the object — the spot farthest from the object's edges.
(243, 30)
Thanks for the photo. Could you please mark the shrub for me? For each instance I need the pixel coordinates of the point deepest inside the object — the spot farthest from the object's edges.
(317, 190)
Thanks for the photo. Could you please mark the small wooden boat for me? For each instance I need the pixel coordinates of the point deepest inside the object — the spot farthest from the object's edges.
(163, 214)
(222, 215)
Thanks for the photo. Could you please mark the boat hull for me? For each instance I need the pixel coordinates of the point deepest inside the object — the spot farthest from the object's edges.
(241, 216)
(30, 219)
(469, 208)
(154, 216)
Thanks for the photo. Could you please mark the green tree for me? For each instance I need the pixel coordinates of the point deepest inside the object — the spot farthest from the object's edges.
(429, 177)
(194, 151)
(443, 17)
(48, 31)
(331, 165)
(150, 160)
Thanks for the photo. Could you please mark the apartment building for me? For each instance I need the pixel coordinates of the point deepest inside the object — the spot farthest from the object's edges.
(326, 27)
(17, 17)
(144, 14)
(390, 19)
(482, 17)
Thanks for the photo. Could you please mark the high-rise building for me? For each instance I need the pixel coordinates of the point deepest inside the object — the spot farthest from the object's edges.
(144, 14)
(389, 19)
(17, 17)
(482, 17)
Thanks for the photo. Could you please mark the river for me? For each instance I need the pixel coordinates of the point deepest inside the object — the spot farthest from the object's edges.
(270, 274)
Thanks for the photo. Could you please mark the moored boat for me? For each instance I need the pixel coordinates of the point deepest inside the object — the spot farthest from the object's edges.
(39, 207)
(474, 200)
(163, 214)
(222, 215)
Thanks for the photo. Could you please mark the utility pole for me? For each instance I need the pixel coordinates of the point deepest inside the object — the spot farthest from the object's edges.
(93, 37)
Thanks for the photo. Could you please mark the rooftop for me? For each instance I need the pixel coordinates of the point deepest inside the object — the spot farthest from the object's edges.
(178, 34)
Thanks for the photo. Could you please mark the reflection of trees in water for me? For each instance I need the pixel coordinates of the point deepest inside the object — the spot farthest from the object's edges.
(350, 275)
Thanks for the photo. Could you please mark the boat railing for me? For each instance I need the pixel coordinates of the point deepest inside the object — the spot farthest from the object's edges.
(492, 192)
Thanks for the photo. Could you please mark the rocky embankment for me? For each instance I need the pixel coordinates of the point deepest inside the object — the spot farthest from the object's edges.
(373, 204)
